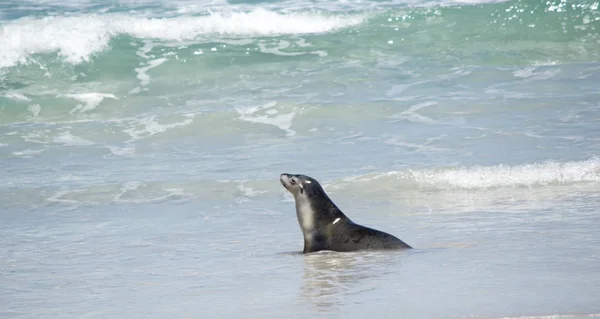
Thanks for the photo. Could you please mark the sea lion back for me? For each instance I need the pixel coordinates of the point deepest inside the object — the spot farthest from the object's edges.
(350, 236)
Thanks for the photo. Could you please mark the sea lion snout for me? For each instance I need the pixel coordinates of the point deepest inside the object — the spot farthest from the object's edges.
(285, 180)
(293, 183)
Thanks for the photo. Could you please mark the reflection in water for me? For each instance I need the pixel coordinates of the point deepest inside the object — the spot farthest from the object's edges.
(329, 277)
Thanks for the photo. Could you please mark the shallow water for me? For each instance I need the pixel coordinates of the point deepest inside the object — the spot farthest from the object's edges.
(142, 141)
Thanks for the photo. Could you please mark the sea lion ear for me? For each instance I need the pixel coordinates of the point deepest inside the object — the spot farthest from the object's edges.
(301, 188)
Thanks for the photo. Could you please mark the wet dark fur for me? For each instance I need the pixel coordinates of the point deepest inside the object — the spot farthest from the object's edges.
(344, 235)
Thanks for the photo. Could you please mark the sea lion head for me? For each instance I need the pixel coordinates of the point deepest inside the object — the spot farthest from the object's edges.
(302, 186)
(312, 203)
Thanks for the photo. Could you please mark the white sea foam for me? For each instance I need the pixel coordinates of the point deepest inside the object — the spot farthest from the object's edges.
(138, 192)
(121, 151)
(90, 101)
(34, 137)
(489, 177)
(267, 114)
(277, 50)
(534, 74)
(75, 38)
(143, 76)
(413, 116)
(78, 38)
(148, 126)
(284, 44)
(412, 146)
(59, 196)
(16, 95)
(126, 188)
(514, 176)
(68, 139)
(34, 109)
(247, 193)
(27, 153)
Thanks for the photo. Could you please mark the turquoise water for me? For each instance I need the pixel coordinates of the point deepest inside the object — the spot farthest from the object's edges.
(142, 141)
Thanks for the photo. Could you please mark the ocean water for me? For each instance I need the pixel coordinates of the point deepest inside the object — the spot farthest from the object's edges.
(141, 144)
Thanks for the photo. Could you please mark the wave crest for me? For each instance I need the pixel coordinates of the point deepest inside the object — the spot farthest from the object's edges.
(488, 177)
(77, 38)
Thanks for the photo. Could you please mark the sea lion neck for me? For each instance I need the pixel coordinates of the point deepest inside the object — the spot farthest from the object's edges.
(326, 209)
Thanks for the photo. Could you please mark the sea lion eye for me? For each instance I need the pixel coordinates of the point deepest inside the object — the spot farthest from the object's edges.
(293, 181)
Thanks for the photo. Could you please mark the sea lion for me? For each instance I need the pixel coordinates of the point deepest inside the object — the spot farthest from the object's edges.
(325, 227)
